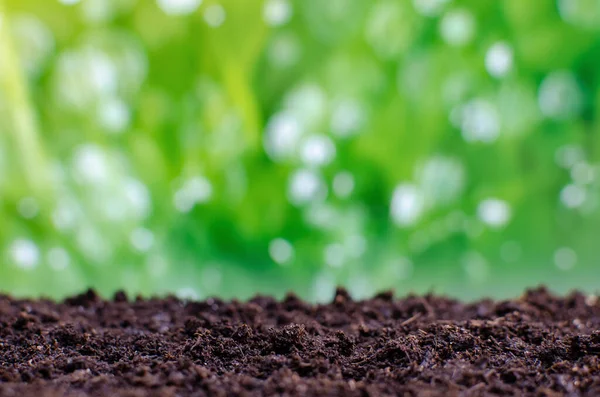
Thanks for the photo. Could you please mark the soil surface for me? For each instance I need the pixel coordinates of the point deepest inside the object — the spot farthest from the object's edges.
(537, 345)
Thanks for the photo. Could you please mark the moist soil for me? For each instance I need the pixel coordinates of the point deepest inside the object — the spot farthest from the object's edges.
(537, 345)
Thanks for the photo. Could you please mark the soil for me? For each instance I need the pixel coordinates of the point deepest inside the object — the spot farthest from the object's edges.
(537, 345)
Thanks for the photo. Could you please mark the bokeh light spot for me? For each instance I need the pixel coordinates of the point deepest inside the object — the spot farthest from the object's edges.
(34, 42)
(573, 196)
(317, 151)
(90, 165)
(282, 136)
(580, 13)
(583, 173)
(179, 7)
(308, 102)
(565, 258)
(494, 212)
(25, 254)
(214, 15)
(196, 190)
(401, 268)
(559, 96)
(58, 258)
(390, 28)
(334, 255)
(429, 8)
(408, 204)
(457, 27)
(284, 50)
(323, 287)
(347, 118)
(569, 155)
(355, 245)
(478, 120)
(141, 239)
(281, 251)
(188, 294)
(93, 245)
(499, 59)
(441, 179)
(137, 198)
(343, 184)
(277, 12)
(305, 186)
(28, 207)
(113, 115)
(476, 267)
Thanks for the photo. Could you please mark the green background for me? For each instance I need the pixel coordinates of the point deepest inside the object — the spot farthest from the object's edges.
(237, 147)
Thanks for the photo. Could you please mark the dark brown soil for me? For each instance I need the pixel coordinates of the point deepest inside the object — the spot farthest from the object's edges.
(538, 345)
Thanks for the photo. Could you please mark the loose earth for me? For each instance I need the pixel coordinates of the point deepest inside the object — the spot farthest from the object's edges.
(537, 345)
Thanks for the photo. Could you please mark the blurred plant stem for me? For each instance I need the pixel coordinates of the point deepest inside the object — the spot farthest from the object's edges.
(241, 94)
(22, 126)
(237, 48)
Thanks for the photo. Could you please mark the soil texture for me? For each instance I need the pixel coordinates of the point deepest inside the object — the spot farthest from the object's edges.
(537, 345)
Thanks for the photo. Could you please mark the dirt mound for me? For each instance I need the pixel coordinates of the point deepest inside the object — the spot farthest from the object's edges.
(538, 345)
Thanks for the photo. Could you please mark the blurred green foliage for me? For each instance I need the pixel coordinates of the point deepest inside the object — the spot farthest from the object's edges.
(241, 146)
